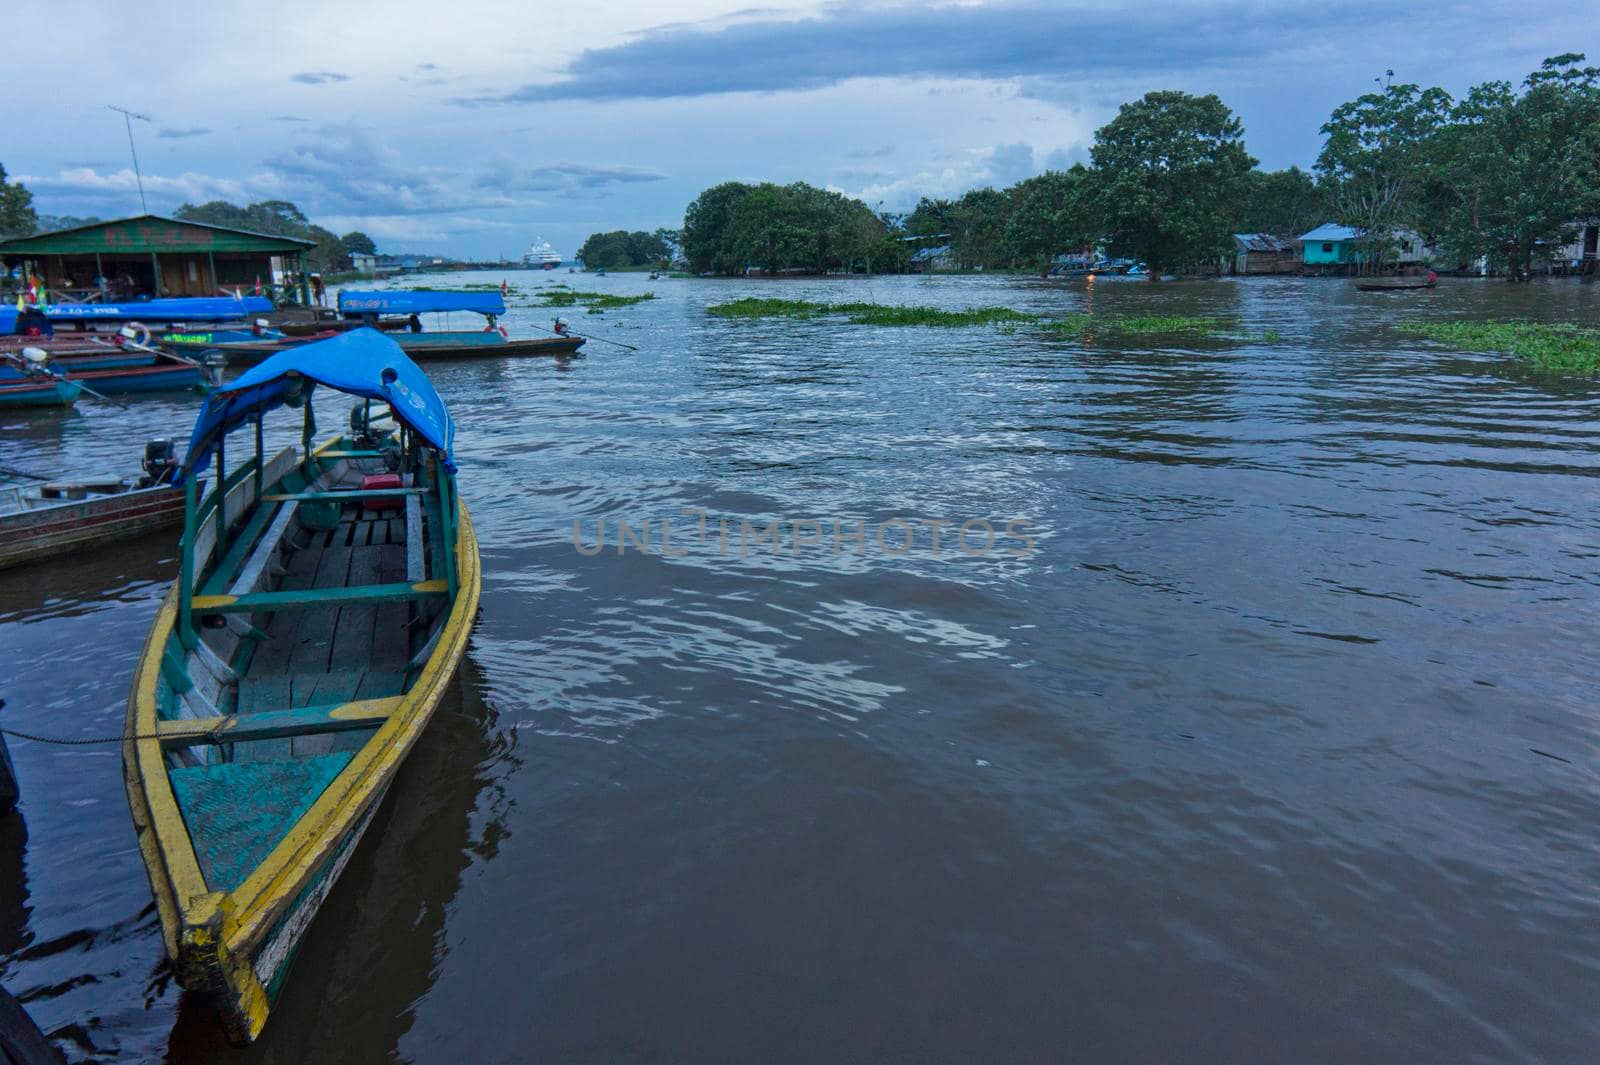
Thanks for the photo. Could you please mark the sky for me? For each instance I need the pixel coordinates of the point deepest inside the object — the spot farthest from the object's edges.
(473, 127)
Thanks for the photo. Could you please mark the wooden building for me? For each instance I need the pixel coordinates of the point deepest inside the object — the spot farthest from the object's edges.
(1263, 253)
(151, 255)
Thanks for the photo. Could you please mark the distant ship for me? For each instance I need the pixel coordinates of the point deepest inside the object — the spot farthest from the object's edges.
(540, 254)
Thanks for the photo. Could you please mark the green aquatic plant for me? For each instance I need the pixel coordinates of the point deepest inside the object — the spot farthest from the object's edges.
(1080, 326)
(868, 313)
(1560, 347)
(565, 297)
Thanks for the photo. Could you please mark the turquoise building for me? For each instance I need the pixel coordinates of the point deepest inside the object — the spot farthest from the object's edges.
(1330, 245)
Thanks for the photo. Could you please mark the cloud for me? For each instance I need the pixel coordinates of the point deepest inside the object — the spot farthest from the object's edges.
(170, 134)
(999, 166)
(290, 118)
(1044, 39)
(871, 153)
(119, 190)
(570, 179)
(319, 77)
(345, 169)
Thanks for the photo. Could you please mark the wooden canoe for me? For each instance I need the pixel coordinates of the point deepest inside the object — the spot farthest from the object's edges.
(1399, 284)
(292, 667)
(37, 528)
(488, 344)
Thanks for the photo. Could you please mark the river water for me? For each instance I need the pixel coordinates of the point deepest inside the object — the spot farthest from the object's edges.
(1269, 735)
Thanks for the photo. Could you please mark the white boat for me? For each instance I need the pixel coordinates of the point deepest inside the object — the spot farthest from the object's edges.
(541, 255)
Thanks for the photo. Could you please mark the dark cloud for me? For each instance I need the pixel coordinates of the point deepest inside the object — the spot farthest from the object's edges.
(319, 77)
(167, 133)
(1010, 163)
(290, 118)
(573, 179)
(871, 153)
(1062, 40)
(427, 66)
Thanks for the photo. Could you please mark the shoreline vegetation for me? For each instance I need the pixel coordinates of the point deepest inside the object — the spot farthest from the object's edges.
(1561, 347)
(1080, 326)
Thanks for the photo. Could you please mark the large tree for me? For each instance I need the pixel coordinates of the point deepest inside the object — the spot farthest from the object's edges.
(1524, 167)
(708, 228)
(1050, 215)
(358, 243)
(1379, 159)
(1171, 170)
(17, 218)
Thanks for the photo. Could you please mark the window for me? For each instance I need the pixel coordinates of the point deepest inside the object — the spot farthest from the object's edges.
(1327, 247)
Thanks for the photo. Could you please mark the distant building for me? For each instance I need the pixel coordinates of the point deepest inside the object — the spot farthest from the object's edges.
(1583, 253)
(152, 255)
(926, 259)
(1263, 253)
(363, 263)
(1332, 248)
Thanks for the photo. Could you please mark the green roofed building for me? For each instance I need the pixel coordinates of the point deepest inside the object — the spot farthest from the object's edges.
(152, 255)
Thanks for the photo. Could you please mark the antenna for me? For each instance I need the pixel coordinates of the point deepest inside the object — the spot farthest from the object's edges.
(127, 120)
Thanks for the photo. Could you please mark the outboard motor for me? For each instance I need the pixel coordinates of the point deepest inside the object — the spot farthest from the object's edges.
(160, 463)
(212, 363)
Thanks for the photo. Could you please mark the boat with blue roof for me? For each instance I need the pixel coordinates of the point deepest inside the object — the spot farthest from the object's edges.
(324, 599)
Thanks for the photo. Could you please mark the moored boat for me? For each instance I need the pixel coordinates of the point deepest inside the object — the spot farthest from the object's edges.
(73, 513)
(25, 382)
(1398, 284)
(323, 602)
(489, 342)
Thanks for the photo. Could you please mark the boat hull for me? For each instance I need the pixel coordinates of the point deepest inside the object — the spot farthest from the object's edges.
(54, 529)
(56, 393)
(423, 346)
(236, 946)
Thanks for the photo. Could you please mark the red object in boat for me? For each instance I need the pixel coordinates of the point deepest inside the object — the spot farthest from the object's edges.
(376, 481)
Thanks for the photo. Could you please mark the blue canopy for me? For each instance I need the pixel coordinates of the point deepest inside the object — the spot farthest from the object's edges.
(354, 303)
(186, 309)
(362, 362)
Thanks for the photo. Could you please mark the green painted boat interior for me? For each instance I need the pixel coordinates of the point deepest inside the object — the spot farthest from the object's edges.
(308, 604)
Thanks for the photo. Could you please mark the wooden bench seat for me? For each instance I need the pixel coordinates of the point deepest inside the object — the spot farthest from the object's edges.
(353, 495)
(277, 724)
(307, 597)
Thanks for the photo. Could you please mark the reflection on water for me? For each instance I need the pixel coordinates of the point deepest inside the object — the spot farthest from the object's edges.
(1278, 745)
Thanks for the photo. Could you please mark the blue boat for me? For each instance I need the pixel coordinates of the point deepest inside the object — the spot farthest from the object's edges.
(185, 309)
(490, 341)
(36, 392)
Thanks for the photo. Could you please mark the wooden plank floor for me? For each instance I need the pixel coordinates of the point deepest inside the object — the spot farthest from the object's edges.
(332, 654)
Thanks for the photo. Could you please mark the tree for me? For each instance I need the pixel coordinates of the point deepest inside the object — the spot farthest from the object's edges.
(1377, 159)
(1284, 203)
(1524, 167)
(1170, 171)
(708, 229)
(1050, 215)
(930, 218)
(50, 223)
(17, 218)
(358, 243)
(977, 228)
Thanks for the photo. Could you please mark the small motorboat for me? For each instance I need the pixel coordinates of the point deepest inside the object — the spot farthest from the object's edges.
(54, 517)
(324, 599)
(489, 342)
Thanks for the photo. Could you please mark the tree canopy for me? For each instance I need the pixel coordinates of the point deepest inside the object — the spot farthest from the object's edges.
(1171, 176)
(358, 243)
(17, 218)
(785, 227)
(278, 218)
(620, 248)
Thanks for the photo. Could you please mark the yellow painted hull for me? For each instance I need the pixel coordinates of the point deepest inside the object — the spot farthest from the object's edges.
(234, 945)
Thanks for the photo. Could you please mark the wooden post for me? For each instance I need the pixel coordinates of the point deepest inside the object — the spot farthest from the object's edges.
(222, 495)
(155, 264)
(8, 777)
(308, 428)
(305, 284)
(186, 566)
(260, 456)
(211, 264)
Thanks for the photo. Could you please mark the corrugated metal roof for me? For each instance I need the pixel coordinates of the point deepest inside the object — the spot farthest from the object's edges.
(1332, 231)
(147, 233)
(930, 253)
(1264, 242)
